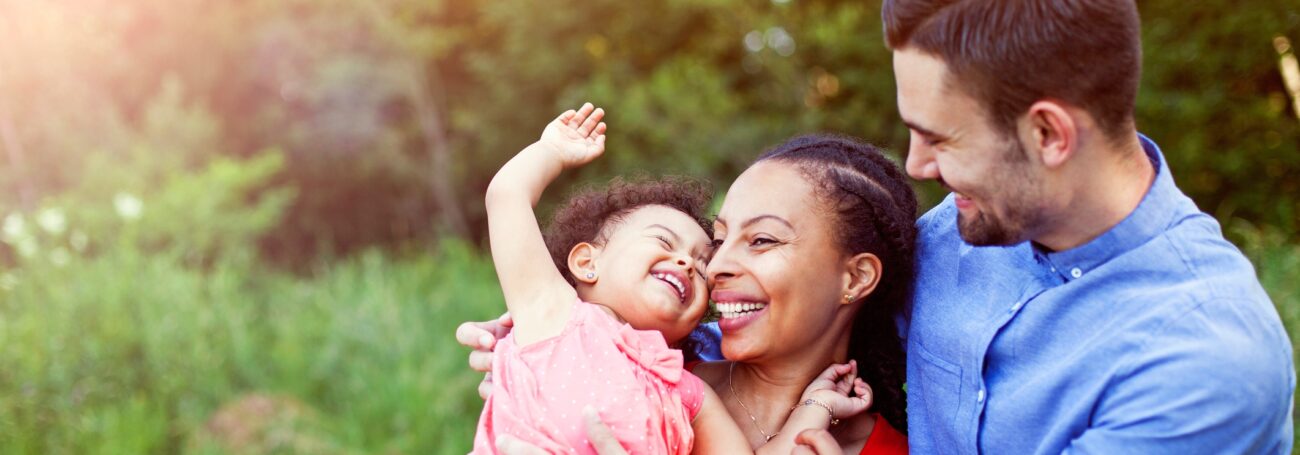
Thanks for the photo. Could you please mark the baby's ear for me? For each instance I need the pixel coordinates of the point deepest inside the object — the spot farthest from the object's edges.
(582, 263)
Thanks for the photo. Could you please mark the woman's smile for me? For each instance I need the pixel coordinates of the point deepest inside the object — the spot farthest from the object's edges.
(738, 309)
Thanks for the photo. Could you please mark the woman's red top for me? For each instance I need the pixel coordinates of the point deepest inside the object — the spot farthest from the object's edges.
(884, 439)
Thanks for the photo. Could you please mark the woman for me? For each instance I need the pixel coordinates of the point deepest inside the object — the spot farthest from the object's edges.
(813, 262)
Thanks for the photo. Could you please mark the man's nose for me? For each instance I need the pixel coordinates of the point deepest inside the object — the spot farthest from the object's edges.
(920, 161)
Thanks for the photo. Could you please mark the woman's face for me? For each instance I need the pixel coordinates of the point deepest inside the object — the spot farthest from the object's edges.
(777, 274)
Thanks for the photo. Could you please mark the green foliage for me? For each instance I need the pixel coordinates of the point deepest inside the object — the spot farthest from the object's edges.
(392, 115)
(160, 165)
(1213, 97)
(126, 353)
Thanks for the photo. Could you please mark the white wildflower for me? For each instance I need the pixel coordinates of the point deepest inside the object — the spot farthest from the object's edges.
(79, 240)
(128, 206)
(59, 257)
(52, 220)
(14, 228)
(27, 247)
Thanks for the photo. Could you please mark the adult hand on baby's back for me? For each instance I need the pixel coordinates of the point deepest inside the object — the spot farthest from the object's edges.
(601, 438)
(482, 338)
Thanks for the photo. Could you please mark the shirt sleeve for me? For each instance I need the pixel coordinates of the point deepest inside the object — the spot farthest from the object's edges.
(707, 342)
(1188, 392)
(691, 387)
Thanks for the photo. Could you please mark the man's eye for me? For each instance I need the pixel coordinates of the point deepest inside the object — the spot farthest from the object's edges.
(716, 243)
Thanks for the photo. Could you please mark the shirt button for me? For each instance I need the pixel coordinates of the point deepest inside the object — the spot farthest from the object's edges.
(979, 397)
(1076, 272)
(1016, 307)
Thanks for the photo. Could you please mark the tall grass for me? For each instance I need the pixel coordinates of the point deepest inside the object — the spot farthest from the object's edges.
(135, 354)
(1277, 263)
(131, 353)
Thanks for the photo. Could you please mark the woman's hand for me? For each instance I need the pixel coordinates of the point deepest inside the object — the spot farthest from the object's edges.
(840, 388)
(482, 337)
(601, 438)
(575, 137)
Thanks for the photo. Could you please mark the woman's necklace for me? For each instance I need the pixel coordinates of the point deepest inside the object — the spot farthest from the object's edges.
(732, 385)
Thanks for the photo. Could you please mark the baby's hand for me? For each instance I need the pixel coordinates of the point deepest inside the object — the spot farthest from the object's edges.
(832, 389)
(576, 138)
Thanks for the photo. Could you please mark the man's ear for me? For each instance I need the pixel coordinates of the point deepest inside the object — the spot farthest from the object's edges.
(1052, 131)
(582, 262)
(862, 274)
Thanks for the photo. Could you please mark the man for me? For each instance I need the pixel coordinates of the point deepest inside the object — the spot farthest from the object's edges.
(1069, 297)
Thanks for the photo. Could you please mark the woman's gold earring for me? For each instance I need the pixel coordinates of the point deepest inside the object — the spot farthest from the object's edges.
(848, 298)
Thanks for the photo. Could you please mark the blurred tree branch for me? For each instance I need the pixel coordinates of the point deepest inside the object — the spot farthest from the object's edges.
(421, 87)
(8, 133)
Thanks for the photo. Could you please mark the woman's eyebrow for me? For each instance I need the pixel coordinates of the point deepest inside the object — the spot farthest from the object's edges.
(756, 219)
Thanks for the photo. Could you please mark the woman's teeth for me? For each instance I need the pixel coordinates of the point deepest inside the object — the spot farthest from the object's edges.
(670, 279)
(735, 310)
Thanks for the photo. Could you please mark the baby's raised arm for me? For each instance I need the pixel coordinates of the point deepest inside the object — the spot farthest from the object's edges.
(536, 294)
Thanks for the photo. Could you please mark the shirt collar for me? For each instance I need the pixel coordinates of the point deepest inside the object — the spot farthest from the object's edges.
(1158, 207)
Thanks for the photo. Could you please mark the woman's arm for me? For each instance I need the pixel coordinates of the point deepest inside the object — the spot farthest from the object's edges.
(536, 295)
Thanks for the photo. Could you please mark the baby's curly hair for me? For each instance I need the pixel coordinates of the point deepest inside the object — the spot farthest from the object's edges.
(590, 212)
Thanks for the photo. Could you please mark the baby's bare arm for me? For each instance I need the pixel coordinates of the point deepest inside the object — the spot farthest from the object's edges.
(537, 296)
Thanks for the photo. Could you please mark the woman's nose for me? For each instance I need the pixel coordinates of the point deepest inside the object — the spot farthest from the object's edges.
(721, 265)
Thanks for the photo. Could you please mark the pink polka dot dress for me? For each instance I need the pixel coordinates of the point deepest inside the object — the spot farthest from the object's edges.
(631, 377)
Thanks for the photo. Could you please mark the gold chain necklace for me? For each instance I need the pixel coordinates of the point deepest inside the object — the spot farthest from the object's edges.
(734, 394)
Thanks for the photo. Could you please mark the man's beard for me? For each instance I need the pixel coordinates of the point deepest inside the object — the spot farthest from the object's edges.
(1013, 188)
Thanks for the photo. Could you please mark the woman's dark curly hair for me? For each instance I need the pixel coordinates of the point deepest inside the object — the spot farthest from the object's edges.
(875, 210)
(589, 213)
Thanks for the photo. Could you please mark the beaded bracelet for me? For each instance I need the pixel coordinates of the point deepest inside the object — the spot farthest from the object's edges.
(812, 402)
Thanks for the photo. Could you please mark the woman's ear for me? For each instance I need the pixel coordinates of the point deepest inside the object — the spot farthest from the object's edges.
(862, 274)
(582, 263)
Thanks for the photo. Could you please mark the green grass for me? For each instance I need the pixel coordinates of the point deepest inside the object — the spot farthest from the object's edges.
(127, 353)
(131, 354)
(1277, 263)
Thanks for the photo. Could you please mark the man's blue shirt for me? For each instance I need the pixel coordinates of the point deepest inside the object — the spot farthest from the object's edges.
(1155, 337)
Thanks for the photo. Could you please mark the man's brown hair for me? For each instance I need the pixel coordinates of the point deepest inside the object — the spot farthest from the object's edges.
(1008, 54)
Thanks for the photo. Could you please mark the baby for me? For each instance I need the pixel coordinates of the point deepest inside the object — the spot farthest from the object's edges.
(596, 331)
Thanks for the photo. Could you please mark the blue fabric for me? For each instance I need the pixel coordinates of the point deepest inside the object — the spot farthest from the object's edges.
(1155, 337)
(707, 338)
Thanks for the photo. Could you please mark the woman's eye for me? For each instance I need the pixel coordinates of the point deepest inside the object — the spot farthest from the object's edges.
(761, 241)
